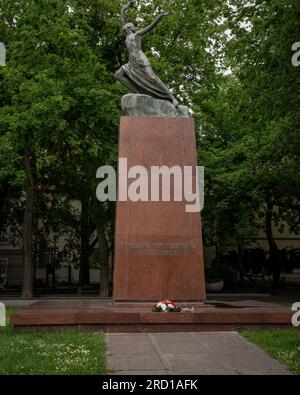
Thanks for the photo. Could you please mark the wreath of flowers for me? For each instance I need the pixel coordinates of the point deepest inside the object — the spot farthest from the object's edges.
(166, 306)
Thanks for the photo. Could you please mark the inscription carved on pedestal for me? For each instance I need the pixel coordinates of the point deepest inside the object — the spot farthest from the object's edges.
(158, 249)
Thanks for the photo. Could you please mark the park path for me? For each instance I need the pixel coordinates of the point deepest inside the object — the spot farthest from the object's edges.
(225, 353)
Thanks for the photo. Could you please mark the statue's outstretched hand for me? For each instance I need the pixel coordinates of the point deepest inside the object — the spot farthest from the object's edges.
(131, 2)
(153, 24)
(163, 14)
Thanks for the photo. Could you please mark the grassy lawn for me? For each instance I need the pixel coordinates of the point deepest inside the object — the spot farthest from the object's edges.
(283, 345)
(57, 353)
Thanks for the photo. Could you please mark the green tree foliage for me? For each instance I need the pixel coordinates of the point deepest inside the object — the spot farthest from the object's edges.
(60, 120)
(251, 139)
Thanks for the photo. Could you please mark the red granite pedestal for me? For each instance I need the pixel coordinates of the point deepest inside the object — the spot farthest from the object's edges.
(158, 245)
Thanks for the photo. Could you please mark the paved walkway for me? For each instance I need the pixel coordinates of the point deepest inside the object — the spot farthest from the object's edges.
(225, 353)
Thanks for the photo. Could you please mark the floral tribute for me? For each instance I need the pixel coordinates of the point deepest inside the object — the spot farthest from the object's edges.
(166, 306)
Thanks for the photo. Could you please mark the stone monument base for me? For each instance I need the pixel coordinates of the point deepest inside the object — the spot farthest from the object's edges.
(143, 105)
(104, 316)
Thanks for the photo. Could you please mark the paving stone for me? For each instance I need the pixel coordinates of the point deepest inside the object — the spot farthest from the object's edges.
(229, 348)
(135, 362)
(142, 373)
(174, 337)
(249, 361)
(188, 354)
(218, 337)
(132, 338)
(264, 373)
(182, 348)
(183, 343)
(130, 348)
(195, 362)
(205, 373)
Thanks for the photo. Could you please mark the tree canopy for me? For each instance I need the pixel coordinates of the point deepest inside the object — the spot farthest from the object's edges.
(230, 61)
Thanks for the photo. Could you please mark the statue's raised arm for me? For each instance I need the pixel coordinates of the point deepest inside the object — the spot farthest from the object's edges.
(153, 24)
(123, 11)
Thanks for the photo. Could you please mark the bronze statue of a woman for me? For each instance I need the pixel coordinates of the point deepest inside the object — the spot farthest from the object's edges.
(137, 75)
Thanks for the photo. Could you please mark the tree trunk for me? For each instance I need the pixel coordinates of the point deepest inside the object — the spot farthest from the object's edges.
(84, 268)
(27, 289)
(104, 282)
(104, 276)
(241, 264)
(273, 249)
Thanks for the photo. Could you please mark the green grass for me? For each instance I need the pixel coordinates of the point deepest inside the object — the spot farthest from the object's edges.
(283, 345)
(56, 353)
